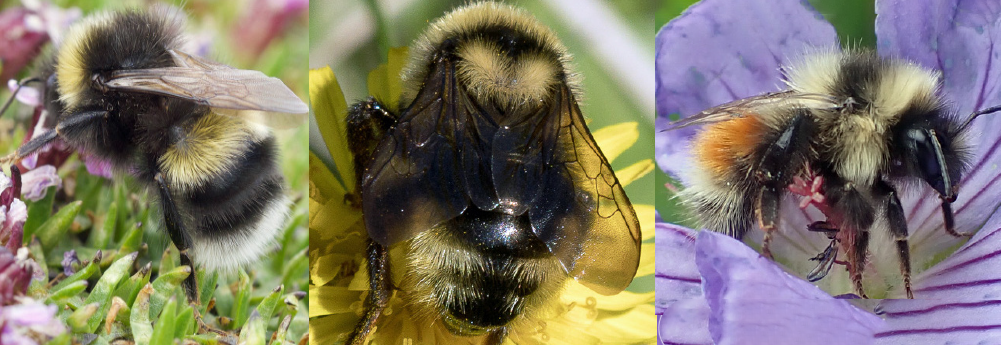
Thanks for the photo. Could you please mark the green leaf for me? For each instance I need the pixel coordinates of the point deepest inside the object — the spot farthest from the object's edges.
(83, 274)
(185, 322)
(62, 339)
(253, 333)
(270, 303)
(65, 292)
(207, 286)
(101, 293)
(100, 237)
(55, 227)
(166, 285)
(241, 304)
(38, 212)
(133, 240)
(142, 328)
(163, 330)
(128, 290)
(79, 320)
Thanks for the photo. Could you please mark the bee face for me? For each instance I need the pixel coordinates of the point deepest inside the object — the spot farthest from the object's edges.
(489, 178)
(856, 123)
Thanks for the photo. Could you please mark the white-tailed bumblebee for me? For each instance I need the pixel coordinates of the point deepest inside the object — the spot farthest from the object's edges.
(488, 178)
(119, 88)
(854, 124)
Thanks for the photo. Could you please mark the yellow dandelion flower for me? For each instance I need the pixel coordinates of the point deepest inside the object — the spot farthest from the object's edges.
(339, 280)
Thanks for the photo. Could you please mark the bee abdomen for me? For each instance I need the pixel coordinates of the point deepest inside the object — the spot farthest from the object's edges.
(235, 212)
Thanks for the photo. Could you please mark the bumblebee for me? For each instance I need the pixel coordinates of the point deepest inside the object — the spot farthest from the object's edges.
(487, 178)
(855, 126)
(120, 89)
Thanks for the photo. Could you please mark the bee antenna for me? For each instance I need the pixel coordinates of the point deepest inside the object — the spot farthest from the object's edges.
(976, 114)
(14, 94)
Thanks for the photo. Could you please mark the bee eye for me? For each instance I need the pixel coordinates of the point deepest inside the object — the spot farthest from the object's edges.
(929, 160)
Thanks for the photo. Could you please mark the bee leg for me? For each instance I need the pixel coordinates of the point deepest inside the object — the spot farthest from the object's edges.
(180, 237)
(29, 147)
(775, 171)
(857, 216)
(367, 123)
(379, 293)
(767, 212)
(898, 228)
(950, 220)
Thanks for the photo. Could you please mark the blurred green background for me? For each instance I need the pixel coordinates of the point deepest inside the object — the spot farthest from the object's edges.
(854, 20)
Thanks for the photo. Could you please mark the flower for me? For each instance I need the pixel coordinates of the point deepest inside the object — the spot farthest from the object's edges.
(15, 272)
(31, 323)
(264, 21)
(747, 42)
(38, 180)
(338, 280)
(13, 212)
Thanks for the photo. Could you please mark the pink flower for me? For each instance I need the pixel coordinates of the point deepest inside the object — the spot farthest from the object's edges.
(264, 21)
(29, 324)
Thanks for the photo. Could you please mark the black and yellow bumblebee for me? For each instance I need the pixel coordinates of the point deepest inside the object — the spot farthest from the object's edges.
(120, 89)
(488, 177)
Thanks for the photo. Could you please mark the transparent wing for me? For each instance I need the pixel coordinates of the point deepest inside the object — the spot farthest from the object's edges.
(753, 104)
(213, 84)
(583, 214)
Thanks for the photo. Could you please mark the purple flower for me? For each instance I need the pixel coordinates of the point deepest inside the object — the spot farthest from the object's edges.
(97, 166)
(13, 212)
(38, 180)
(718, 51)
(15, 273)
(29, 324)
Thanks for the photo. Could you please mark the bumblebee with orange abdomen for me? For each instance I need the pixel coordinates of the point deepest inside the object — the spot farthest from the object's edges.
(854, 125)
(120, 89)
(488, 179)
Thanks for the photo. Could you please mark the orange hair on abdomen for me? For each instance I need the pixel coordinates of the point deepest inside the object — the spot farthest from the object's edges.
(720, 146)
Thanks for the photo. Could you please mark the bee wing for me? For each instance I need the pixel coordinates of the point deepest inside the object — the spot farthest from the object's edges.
(216, 85)
(753, 104)
(583, 214)
(448, 153)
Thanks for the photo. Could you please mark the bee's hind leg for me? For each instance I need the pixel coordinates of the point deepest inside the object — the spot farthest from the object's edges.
(182, 240)
(776, 169)
(380, 290)
(178, 235)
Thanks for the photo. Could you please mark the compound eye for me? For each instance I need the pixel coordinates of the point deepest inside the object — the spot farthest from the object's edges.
(930, 161)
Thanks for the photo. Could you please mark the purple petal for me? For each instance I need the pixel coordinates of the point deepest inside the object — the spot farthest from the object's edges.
(752, 298)
(685, 322)
(719, 51)
(676, 277)
(28, 95)
(971, 272)
(38, 180)
(960, 39)
(97, 166)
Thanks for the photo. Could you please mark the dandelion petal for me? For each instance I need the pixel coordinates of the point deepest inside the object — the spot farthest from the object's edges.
(719, 51)
(752, 298)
